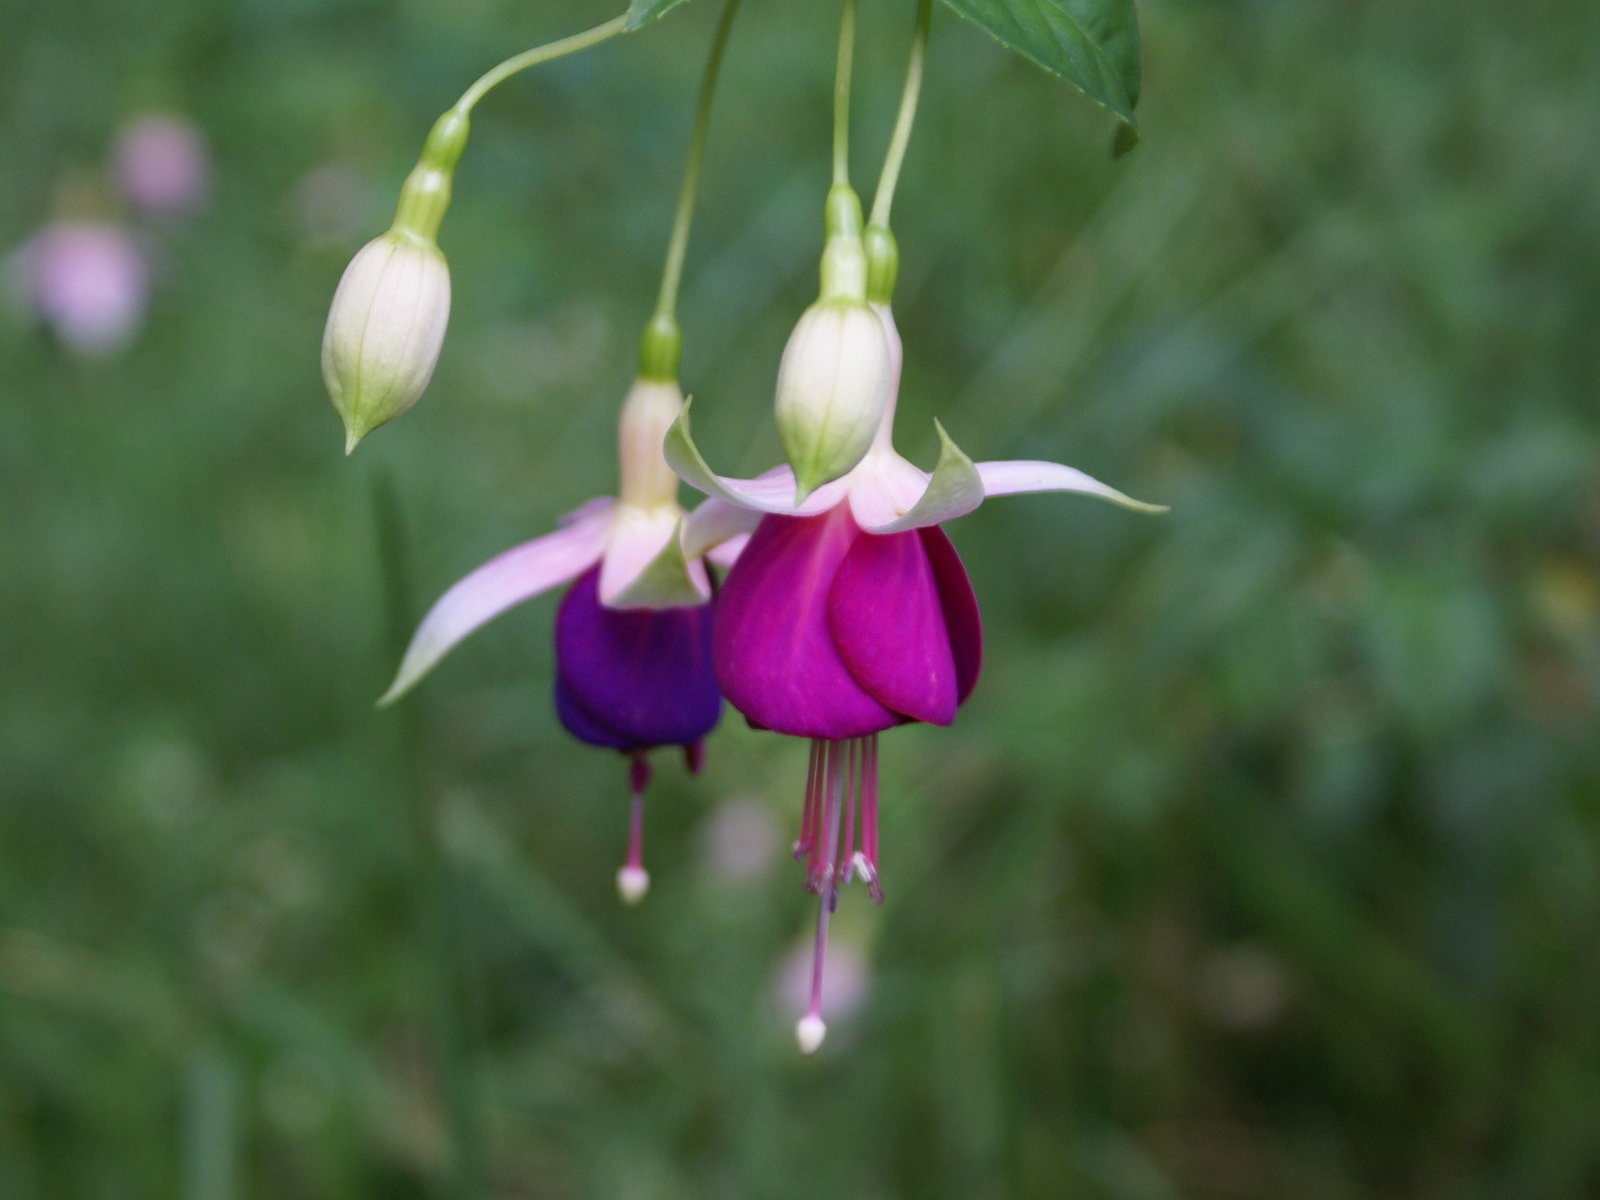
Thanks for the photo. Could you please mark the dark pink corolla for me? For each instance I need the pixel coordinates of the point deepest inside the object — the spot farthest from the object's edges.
(825, 631)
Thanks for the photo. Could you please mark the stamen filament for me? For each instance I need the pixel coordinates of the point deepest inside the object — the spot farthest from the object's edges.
(883, 199)
(841, 93)
(811, 1029)
(677, 247)
(633, 881)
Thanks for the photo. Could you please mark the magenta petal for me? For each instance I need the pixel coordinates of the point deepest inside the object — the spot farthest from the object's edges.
(774, 654)
(960, 609)
(888, 623)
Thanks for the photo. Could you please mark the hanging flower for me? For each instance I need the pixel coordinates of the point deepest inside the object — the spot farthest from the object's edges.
(847, 614)
(633, 631)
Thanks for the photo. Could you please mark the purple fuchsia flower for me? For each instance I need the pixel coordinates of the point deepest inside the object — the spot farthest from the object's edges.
(849, 613)
(633, 632)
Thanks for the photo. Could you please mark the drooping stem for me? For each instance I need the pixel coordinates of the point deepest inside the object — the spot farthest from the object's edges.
(539, 54)
(677, 247)
(883, 200)
(841, 93)
(430, 875)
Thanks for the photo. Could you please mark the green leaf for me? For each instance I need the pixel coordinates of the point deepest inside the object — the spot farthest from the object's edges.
(642, 12)
(1092, 44)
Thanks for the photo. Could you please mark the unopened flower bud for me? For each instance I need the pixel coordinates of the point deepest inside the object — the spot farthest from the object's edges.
(833, 382)
(832, 388)
(384, 331)
(388, 318)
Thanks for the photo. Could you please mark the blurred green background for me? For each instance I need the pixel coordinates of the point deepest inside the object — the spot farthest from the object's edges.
(1264, 863)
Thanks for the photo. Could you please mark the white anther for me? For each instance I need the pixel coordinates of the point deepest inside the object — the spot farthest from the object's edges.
(632, 884)
(809, 1033)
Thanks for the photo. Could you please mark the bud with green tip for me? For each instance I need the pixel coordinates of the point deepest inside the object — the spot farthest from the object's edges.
(388, 318)
(834, 380)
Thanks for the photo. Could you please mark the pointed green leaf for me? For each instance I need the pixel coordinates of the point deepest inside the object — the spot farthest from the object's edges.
(1092, 44)
(642, 12)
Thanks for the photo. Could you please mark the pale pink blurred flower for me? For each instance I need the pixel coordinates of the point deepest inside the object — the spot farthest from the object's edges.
(88, 281)
(161, 164)
(845, 986)
(741, 841)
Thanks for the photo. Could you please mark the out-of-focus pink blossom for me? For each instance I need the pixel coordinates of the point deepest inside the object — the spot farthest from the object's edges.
(161, 164)
(88, 281)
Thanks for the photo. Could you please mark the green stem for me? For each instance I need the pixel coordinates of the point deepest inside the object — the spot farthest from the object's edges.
(841, 93)
(678, 246)
(539, 54)
(431, 881)
(883, 201)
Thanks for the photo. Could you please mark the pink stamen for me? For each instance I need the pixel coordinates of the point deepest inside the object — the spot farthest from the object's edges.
(633, 881)
(811, 1029)
(808, 816)
(841, 811)
(844, 864)
(869, 817)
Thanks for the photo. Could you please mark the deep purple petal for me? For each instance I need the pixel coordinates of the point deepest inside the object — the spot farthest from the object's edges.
(642, 675)
(583, 724)
(960, 609)
(774, 654)
(888, 624)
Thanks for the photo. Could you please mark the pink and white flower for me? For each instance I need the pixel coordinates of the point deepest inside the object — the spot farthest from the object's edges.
(848, 613)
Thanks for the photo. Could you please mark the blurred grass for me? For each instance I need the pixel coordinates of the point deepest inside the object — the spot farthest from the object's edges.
(1262, 864)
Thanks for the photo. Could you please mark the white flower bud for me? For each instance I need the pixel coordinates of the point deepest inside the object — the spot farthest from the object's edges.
(833, 384)
(384, 330)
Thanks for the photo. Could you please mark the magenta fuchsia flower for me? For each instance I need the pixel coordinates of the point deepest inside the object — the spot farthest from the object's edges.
(847, 614)
(633, 632)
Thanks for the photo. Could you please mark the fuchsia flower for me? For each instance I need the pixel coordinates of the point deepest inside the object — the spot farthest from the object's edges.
(633, 632)
(847, 614)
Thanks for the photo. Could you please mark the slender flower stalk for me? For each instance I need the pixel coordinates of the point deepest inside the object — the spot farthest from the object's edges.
(683, 220)
(841, 92)
(548, 52)
(911, 93)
